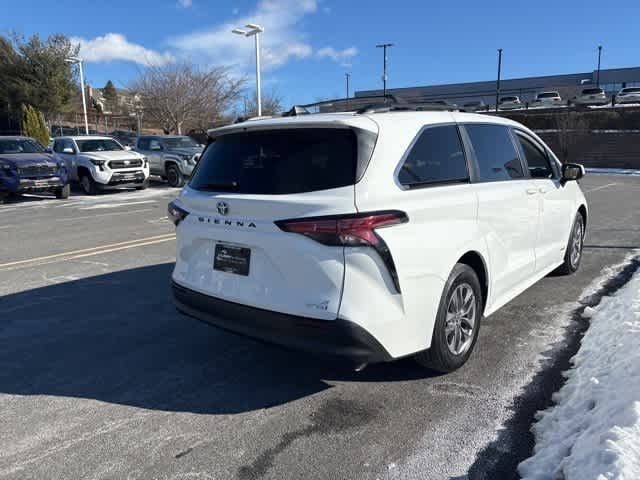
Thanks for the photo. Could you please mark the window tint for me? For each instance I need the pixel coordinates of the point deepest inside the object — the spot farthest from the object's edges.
(437, 156)
(57, 146)
(548, 95)
(98, 145)
(19, 145)
(278, 161)
(537, 160)
(495, 152)
(154, 144)
(592, 91)
(143, 144)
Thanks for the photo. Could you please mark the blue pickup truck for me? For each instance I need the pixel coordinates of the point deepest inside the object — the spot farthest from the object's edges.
(25, 167)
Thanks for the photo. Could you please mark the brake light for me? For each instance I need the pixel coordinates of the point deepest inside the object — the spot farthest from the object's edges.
(175, 213)
(349, 231)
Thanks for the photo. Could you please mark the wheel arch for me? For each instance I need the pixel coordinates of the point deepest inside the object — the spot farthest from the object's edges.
(477, 262)
(582, 210)
(169, 162)
(82, 171)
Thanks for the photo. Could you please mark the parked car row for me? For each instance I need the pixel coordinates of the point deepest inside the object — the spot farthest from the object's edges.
(95, 162)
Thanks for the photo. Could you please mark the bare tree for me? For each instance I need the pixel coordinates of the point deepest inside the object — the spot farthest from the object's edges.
(570, 126)
(271, 104)
(182, 96)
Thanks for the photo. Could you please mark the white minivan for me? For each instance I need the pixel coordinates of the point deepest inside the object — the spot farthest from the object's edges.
(372, 235)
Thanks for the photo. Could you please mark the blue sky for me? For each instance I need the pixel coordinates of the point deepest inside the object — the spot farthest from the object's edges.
(310, 44)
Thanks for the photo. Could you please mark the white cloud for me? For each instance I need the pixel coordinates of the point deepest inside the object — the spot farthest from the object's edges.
(340, 56)
(282, 41)
(115, 46)
(185, 3)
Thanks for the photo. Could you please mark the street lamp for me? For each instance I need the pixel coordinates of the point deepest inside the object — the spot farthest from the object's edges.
(84, 101)
(254, 31)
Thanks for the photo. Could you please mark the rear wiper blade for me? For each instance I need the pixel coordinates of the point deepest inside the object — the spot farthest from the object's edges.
(219, 186)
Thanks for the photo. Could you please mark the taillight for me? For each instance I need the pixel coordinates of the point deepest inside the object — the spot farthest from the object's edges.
(349, 231)
(175, 213)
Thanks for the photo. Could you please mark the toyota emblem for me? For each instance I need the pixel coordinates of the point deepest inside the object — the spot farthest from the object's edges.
(223, 208)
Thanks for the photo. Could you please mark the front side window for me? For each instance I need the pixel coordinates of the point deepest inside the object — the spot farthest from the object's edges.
(537, 159)
(98, 145)
(272, 162)
(155, 144)
(143, 144)
(437, 156)
(495, 152)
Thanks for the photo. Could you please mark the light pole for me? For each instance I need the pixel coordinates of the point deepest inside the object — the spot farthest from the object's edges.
(254, 31)
(384, 47)
(347, 76)
(598, 74)
(84, 100)
(498, 81)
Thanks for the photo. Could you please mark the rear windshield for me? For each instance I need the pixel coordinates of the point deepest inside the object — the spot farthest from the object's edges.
(631, 90)
(548, 95)
(98, 145)
(509, 99)
(592, 91)
(273, 162)
(179, 142)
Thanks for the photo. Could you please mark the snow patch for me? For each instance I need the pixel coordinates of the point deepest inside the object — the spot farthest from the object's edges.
(613, 171)
(593, 431)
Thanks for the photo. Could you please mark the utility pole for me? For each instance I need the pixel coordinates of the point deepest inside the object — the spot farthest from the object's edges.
(598, 74)
(498, 81)
(384, 47)
(347, 76)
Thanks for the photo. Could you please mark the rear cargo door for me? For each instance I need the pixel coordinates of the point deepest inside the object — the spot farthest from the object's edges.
(229, 246)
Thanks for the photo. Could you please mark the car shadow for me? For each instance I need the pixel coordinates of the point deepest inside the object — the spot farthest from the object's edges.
(117, 338)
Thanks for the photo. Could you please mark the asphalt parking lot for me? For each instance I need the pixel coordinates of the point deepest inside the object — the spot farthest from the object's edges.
(101, 378)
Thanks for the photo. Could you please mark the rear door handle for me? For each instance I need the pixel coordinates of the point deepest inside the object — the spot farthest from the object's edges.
(532, 191)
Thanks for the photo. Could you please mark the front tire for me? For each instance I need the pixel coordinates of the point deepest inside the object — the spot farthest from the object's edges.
(88, 184)
(573, 253)
(174, 176)
(144, 185)
(457, 323)
(63, 192)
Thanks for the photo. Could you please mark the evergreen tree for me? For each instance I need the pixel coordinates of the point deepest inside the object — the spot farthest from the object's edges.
(33, 125)
(110, 95)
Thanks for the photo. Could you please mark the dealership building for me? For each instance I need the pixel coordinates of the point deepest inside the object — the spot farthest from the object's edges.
(611, 80)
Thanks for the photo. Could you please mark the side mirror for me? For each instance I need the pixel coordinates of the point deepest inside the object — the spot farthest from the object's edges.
(48, 150)
(68, 150)
(572, 171)
(128, 148)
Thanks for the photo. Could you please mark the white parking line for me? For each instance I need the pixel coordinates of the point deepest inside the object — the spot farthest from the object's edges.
(600, 187)
(86, 252)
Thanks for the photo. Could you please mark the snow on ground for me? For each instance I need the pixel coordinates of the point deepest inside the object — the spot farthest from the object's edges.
(593, 430)
(613, 171)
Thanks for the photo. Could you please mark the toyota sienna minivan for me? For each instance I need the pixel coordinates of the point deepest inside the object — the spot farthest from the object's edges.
(373, 235)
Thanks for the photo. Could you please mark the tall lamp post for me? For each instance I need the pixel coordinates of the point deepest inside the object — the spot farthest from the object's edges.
(347, 77)
(384, 47)
(84, 100)
(498, 81)
(598, 74)
(254, 30)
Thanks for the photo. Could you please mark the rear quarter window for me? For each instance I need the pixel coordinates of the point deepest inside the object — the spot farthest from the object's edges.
(276, 162)
(436, 156)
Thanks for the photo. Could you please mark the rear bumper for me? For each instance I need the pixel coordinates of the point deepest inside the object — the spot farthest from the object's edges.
(338, 337)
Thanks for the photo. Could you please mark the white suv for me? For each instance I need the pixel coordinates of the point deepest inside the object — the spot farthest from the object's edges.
(101, 162)
(372, 235)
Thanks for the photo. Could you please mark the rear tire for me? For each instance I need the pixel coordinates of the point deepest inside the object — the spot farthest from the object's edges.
(63, 192)
(573, 253)
(88, 184)
(174, 176)
(457, 323)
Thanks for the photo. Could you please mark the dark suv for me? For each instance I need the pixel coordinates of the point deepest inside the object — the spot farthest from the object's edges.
(26, 168)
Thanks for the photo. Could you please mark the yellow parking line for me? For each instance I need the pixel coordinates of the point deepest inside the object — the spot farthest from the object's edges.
(128, 243)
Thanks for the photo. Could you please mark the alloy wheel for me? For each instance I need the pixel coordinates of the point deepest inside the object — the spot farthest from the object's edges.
(461, 319)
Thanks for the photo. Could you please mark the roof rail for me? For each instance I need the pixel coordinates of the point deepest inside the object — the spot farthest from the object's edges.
(408, 107)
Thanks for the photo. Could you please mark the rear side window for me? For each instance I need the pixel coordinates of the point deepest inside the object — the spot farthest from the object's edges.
(537, 159)
(143, 144)
(273, 162)
(495, 152)
(436, 156)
